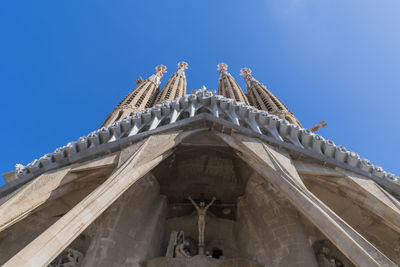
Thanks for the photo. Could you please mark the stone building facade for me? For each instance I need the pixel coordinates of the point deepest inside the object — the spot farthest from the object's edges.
(202, 179)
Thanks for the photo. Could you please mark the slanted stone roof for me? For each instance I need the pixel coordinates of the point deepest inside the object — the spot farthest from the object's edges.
(205, 104)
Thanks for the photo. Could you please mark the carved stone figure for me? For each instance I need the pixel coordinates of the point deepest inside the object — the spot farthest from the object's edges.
(178, 246)
(326, 260)
(74, 258)
(181, 250)
(201, 212)
(68, 258)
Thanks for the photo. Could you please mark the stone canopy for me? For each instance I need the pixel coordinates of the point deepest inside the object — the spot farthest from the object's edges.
(284, 196)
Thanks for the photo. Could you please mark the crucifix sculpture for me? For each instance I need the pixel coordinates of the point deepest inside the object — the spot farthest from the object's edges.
(201, 223)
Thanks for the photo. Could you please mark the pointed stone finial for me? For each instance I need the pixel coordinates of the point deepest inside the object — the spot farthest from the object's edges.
(203, 88)
(160, 70)
(246, 73)
(182, 66)
(223, 68)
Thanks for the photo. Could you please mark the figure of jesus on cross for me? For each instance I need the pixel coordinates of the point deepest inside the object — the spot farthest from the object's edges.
(201, 213)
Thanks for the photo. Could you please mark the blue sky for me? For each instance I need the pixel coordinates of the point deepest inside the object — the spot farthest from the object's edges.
(64, 65)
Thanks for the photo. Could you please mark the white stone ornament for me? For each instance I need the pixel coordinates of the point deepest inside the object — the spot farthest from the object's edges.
(203, 100)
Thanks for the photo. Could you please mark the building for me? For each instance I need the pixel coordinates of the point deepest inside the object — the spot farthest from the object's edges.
(203, 179)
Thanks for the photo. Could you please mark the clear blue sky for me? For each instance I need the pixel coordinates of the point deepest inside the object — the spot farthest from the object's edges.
(64, 65)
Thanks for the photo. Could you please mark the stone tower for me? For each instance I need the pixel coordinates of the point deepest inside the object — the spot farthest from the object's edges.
(228, 87)
(261, 98)
(200, 180)
(139, 99)
(175, 87)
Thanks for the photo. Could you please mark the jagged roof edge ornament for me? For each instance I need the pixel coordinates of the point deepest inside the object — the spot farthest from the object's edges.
(239, 114)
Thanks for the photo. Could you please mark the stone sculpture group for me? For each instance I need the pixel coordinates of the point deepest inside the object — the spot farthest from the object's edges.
(201, 223)
(178, 246)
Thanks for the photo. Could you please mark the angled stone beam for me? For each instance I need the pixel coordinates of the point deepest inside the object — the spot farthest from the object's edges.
(30, 197)
(42, 250)
(42, 189)
(306, 168)
(372, 197)
(271, 164)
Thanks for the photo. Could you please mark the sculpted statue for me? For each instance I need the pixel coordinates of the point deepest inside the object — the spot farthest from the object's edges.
(75, 258)
(326, 260)
(69, 258)
(201, 223)
(177, 246)
(181, 250)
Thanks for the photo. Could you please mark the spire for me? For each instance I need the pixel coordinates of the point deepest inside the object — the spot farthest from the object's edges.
(176, 85)
(139, 99)
(228, 87)
(261, 98)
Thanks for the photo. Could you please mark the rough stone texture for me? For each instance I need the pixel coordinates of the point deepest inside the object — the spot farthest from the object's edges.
(269, 210)
(131, 230)
(199, 261)
(49, 186)
(269, 228)
(23, 232)
(358, 215)
(52, 241)
(9, 176)
(274, 169)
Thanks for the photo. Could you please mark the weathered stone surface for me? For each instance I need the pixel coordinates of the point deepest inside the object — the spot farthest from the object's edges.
(349, 202)
(42, 189)
(9, 176)
(51, 242)
(262, 215)
(30, 197)
(374, 198)
(20, 234)
(199, 261)
(131, 229)
(269, 229)
(359, 251)
(308, 168)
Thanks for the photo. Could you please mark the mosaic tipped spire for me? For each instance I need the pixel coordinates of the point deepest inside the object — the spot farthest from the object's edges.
(176, 85)
(140, 98)
(261, 98)
(228, 87)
